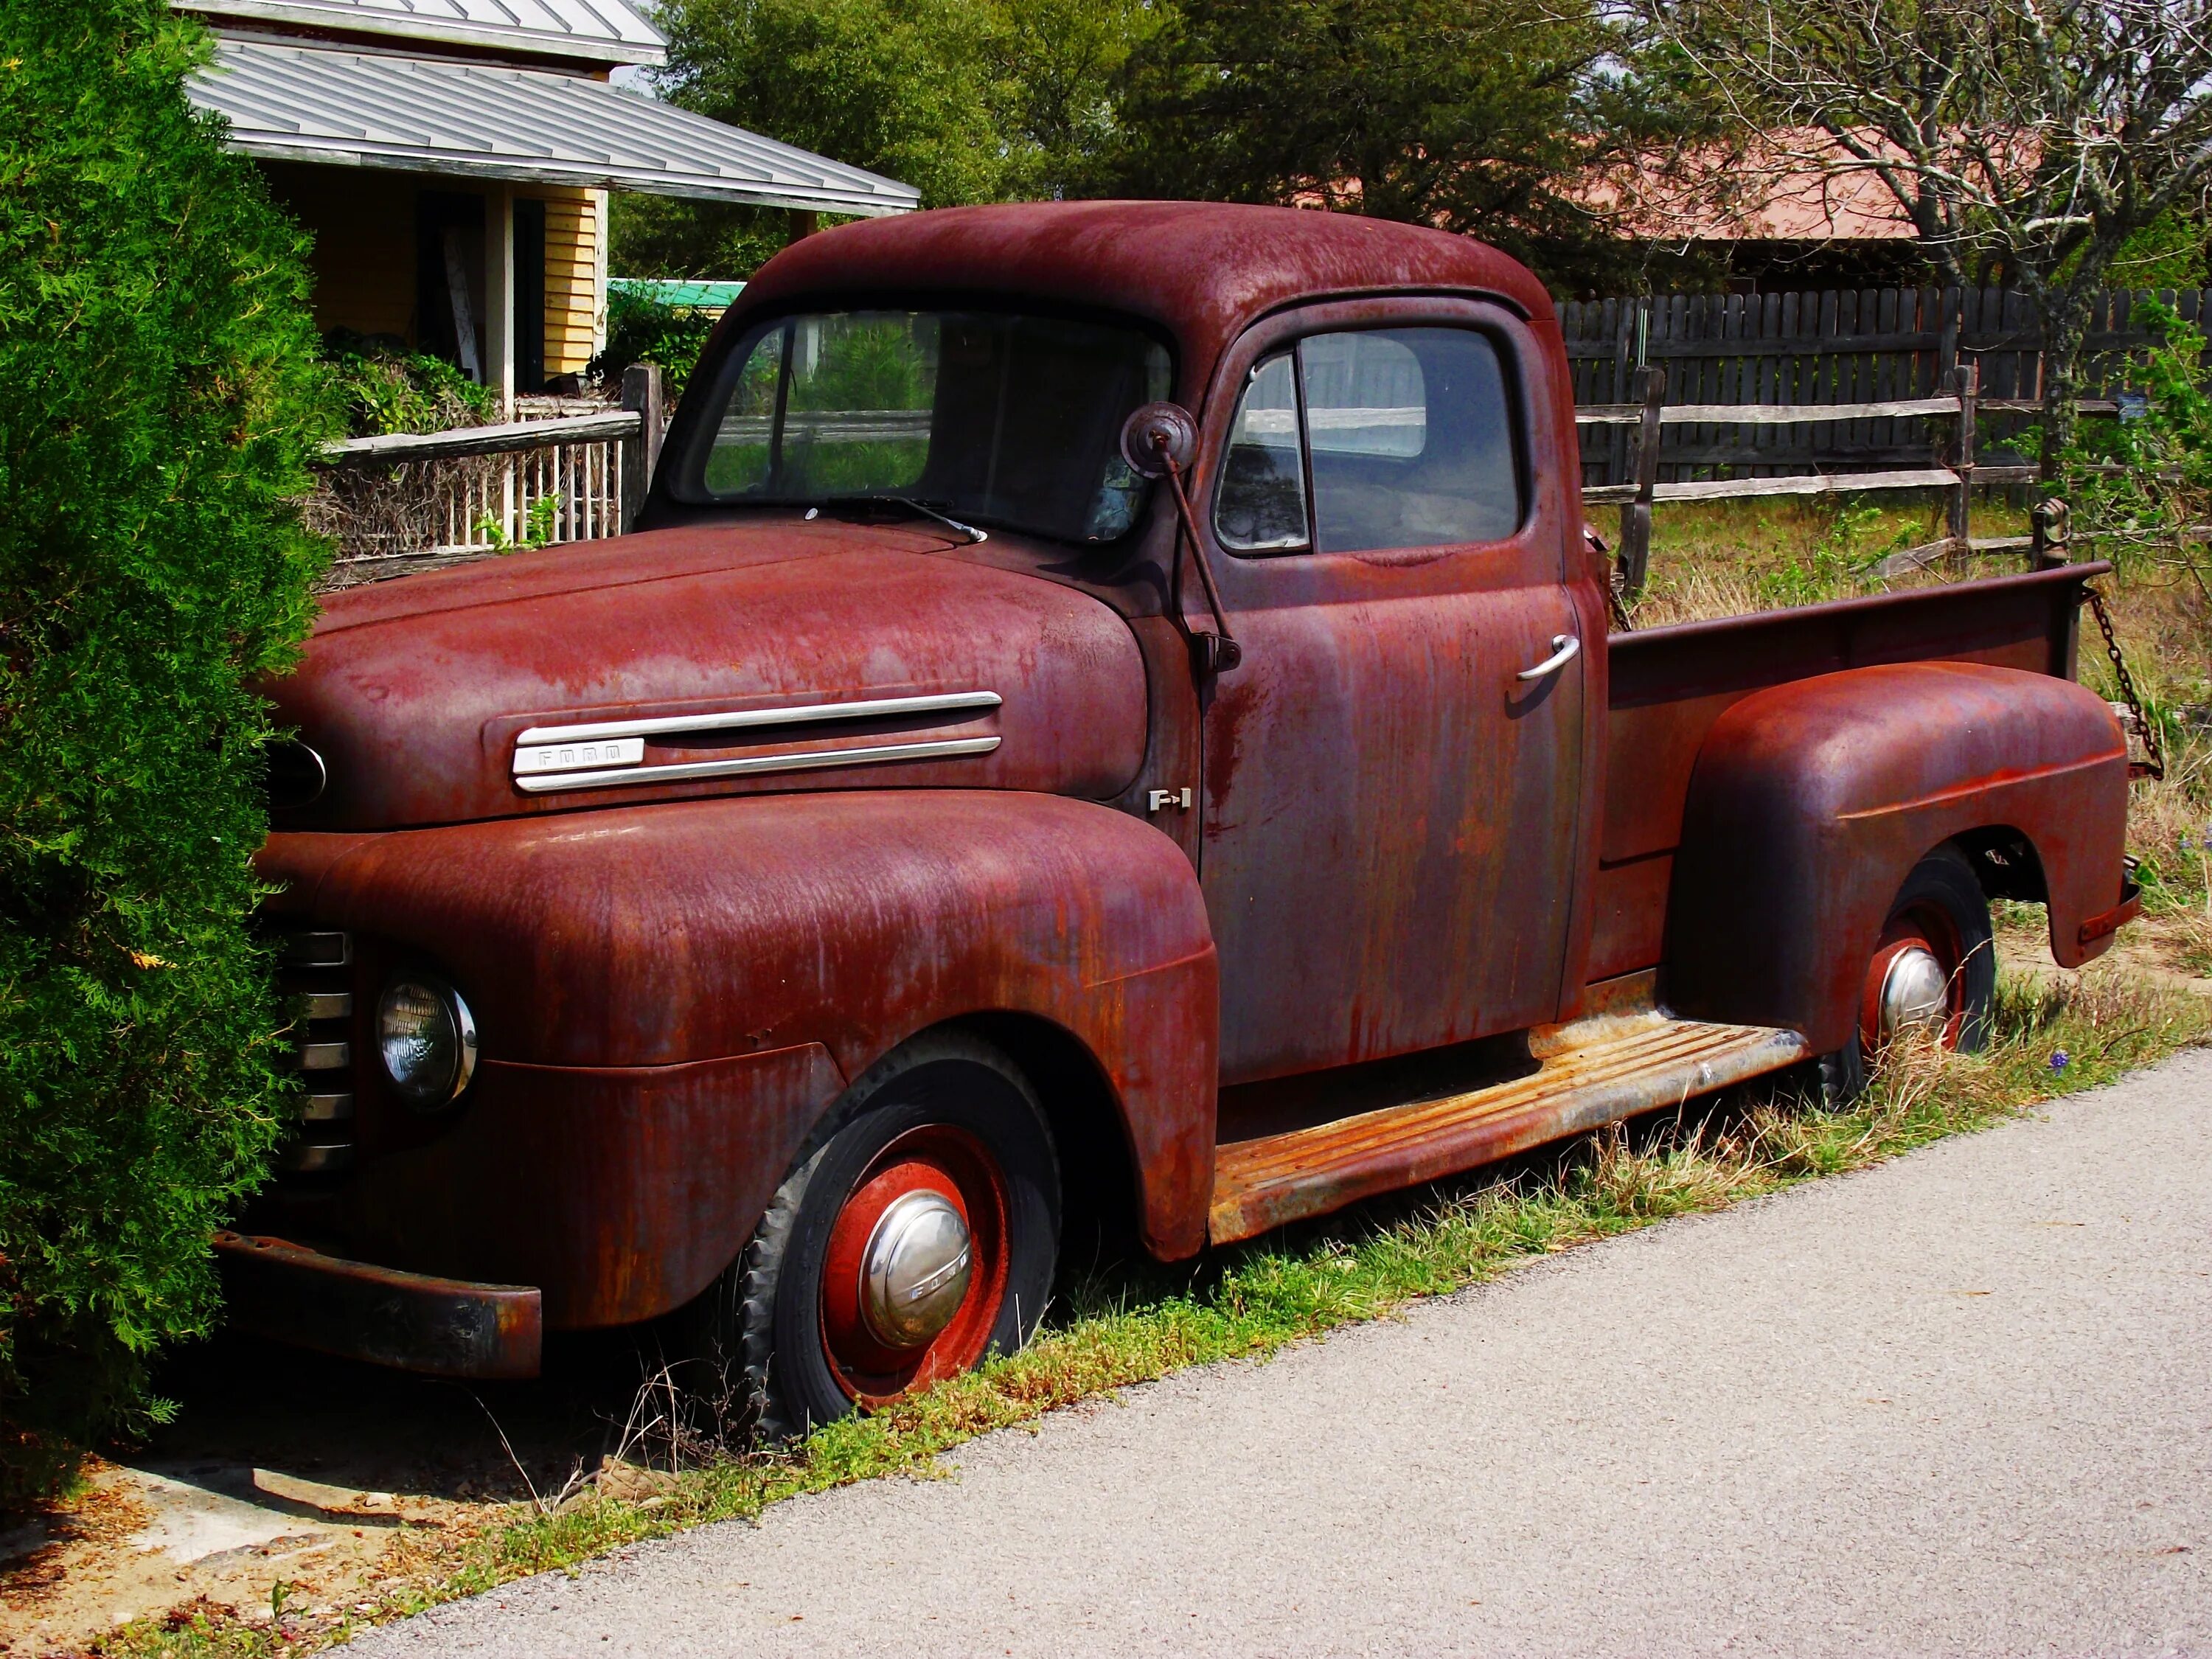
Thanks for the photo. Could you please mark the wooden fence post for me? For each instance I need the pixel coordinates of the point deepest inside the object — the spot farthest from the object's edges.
(2052, 524)
(1616, 470)
(1635, 556)
(1966, 380)
(642, 396)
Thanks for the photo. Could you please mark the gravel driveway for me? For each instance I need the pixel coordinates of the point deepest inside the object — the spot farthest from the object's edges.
(1962, 1403)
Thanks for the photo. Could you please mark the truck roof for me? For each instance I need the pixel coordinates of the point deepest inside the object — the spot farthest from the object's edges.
(1203, 270)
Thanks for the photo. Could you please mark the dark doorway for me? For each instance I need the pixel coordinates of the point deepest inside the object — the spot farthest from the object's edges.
(529, 295)
(449, 278)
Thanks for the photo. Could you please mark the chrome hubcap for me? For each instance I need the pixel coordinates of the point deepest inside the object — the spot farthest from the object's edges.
(914, 1273)
(1916, 995)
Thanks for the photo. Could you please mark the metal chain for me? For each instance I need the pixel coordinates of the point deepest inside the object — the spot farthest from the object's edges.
(2155, 765)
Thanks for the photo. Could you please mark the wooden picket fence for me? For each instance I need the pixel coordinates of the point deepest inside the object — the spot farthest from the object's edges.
(415, 501)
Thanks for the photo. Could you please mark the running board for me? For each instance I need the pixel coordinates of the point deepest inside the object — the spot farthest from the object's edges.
(1591, 1072)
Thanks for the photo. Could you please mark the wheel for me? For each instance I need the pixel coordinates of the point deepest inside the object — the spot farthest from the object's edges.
(1933, 968)
(918, 1232)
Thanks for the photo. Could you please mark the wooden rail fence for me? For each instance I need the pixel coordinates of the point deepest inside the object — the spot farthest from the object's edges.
(1868, 352)
(1961, 406)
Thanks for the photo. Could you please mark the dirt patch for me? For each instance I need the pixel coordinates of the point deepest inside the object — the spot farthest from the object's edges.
(296, 1487)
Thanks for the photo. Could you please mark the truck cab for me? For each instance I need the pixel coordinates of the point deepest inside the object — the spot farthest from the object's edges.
(1108, 713)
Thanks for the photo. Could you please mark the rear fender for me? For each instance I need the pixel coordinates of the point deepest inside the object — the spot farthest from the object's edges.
(709, 974)
(1811, 802)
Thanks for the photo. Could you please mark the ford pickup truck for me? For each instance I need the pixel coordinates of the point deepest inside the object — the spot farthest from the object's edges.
(1108, 718)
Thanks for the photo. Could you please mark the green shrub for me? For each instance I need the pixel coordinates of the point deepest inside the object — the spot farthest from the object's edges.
(643, 330)
(388, 388)
(2140, 487)
(163, 398)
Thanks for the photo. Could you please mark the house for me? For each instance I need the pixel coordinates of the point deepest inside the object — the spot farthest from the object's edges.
(1792, 210)
(451, 160)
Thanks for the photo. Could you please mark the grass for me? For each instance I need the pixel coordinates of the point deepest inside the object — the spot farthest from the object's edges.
(2052, 1038)
(2054, 1034)
(1729, 557)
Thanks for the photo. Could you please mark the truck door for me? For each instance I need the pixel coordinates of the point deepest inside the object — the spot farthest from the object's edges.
(1391, 777)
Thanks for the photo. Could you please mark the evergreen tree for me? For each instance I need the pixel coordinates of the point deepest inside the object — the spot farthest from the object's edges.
(163, 400)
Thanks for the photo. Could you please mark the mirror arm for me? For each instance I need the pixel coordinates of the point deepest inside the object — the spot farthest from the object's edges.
(1219, 650)
(1161, 439)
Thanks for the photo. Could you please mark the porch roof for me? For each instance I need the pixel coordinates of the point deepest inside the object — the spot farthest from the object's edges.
(597, 31)
(302, 103)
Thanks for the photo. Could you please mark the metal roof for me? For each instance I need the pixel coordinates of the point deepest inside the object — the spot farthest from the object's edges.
(411, 115)
(599, 30)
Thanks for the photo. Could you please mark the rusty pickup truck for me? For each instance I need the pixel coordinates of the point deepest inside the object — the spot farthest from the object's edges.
(1108, 719)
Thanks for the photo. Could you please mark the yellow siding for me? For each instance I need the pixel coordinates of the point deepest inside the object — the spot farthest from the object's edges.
(363, 260)
(571, 266)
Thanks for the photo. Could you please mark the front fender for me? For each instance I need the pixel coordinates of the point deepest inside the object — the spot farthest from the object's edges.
(638, 955)
(1811, 802)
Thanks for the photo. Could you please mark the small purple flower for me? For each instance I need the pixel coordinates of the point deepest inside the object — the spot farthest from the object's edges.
(2060, 1060)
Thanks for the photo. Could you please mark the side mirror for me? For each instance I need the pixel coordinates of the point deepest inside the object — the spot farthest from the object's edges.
(1160, 440)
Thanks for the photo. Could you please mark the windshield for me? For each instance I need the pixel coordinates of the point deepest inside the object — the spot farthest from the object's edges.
(1008, 419)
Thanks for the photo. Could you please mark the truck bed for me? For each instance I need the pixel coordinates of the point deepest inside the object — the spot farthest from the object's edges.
(1668, 686)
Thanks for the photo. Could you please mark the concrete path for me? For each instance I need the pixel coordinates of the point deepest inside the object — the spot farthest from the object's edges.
(1961, 1404)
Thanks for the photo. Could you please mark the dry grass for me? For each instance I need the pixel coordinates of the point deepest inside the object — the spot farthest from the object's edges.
(1731, 559)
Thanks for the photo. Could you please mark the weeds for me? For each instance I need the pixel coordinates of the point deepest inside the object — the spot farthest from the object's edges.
(542, 519)
(2049, 1038)
(1732, 558)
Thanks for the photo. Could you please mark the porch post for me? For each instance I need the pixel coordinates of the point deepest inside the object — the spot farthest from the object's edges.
(499, 296)
(601, 208)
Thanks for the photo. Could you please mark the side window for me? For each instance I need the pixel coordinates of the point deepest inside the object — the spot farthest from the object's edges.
(1261, 504)
(1409, 440)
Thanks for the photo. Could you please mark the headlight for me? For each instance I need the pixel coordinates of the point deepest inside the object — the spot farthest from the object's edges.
(428, 1038)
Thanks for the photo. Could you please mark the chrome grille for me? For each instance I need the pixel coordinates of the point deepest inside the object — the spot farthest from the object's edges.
(315, 974)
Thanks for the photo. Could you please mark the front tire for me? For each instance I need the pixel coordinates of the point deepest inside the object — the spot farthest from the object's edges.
(1933, 968)
(917, 1233)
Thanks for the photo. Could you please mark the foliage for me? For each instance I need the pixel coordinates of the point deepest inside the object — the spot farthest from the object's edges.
(2046, 138)
(2140, 488)
(164, 399)
(967, 101)
(2169, 253)
(642, 329)
(1482, 121)
(899, 90)
(664, 236)
(539, 522)
(1838, 566)
(388, 388)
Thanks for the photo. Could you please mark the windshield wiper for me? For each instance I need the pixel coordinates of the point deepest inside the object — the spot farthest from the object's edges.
(912, 506)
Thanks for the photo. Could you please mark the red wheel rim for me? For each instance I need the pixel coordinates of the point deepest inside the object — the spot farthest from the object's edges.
(1918, 928)
(958, 1167)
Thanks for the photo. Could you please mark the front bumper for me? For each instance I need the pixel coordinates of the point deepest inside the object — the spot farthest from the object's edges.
(444, 1327)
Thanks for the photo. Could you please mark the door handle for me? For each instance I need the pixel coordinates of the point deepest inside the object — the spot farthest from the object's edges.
(1566, 647)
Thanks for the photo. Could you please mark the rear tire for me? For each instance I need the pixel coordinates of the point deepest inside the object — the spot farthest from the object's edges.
(941, 1145)
(1933, 967)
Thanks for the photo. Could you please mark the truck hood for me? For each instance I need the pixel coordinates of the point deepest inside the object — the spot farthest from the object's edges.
(724, 659)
